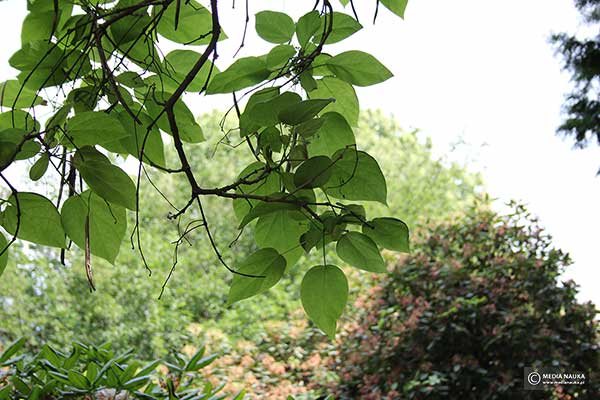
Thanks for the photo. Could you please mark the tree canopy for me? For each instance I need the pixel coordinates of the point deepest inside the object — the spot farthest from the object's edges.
(582, 60)
(95, 86)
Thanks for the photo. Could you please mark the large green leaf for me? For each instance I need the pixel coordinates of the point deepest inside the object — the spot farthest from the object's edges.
(178, 63)
(358, 68)
(14, 95)
(266, 186)
(18, 119)
(282, 230)
(4, 256)
(264, 262)
(324, 292)
(360, 251)
(344, 26)
(264, 208)
(153, 147)
(396, 6)
(243, 73)
(280, 56)
(106, 180)
(274, 27)
(356, 176)
(107, 223)
(314, 172)
(390, 233)
(189, 130)
(12, 138)
(346, 102)
(39, 220)
(193, 27)
(334, 134)
(94, 127)
(303, 111)
(307, 26)
(268, 112)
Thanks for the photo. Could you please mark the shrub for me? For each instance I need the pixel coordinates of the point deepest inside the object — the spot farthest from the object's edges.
(97, 372)
(478, 300)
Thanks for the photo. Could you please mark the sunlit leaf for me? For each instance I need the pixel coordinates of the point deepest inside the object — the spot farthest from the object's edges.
(264, 262)
(360, 251)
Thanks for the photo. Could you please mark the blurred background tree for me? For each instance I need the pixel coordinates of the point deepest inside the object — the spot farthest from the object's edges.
(581, 55)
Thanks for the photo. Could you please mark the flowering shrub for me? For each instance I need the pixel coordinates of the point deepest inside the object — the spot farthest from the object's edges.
(476, 302)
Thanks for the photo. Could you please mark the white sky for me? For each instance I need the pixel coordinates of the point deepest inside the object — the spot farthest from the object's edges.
(480, 70)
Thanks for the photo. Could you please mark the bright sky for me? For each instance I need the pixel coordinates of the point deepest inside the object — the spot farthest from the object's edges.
(477, 70)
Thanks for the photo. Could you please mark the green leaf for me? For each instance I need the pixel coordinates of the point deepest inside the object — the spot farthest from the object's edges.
(14, 95)
(280, 56)
(4, 256)
(38, 169)
(274, 27)
(396, 6)
(189, 130)
(356, 176)
(153, 147)
(324, 292)
(267, 112)
(263, 187)
(94, 127)
(360, 251)
(309, 128)
(194, 25)
(78, 380)
(390, 233)
(106, 180)
(15, 137)
(303, 111)
(107, 223)
(346, 101)
(358, 68)
(39, 220)
(314, 172)
(344, 26)
(281, 230)
(18, 119)
(307, 26)
(12, 349)
(178, 63)
(265, 262)
(243, 73)
(264, 208)
(334, 134)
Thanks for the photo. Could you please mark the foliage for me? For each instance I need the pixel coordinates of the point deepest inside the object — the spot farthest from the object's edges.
(582, 60)
(51, 303)
(98, 371)
(478, 300)
(114, 92)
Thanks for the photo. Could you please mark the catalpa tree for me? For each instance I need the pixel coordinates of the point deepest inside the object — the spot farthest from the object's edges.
(113, 93)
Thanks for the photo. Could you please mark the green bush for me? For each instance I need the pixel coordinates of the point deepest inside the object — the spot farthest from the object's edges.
(98, 372)
(479, 299)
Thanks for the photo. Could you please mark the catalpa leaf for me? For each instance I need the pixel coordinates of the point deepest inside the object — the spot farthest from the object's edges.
(358, 68)
(346, 102)
(396, 6)
(243, 73)
(107, 224)
(314, 172)
(193, 27)
(334, 134)
(38, 222)
(303, 111)
(274, 27)
(344, 26)
(266, 263)
(356, 176)
(324, 292)
(360, 251)
(390, 233)
(307, 26)
(94, 127)
(106, 180)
